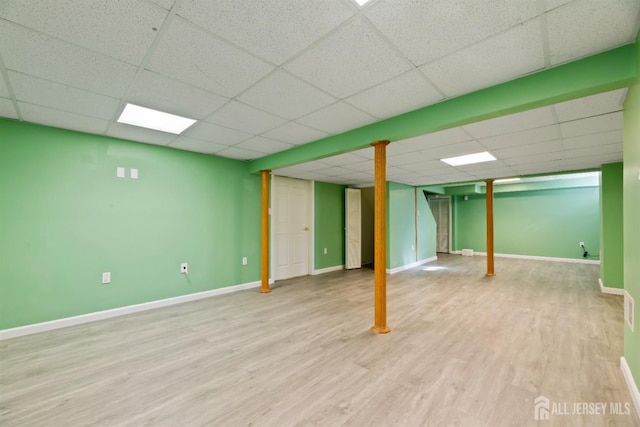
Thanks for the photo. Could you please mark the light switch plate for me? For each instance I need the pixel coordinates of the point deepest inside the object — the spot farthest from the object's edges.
(134, 173)
(120, 172)
(106, 278)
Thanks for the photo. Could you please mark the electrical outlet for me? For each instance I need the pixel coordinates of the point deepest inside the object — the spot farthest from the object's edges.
(325, 251)
(184, 268)
(245, 261)
(581, 244)
(106, 278)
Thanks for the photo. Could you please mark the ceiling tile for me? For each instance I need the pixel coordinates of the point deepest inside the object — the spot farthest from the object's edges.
(437, 139)
(552, 4)
(334, 171)
(243, 117)
(427, 30)
(136, 133)
(214, 133)
(603, 123)
(155, 91)
(343, 160)
(239, 153)
(431, 167)
(276, 29)
(7, 109)
(539, 117)
(62, 62)
(495, 60)
(264, 145)
(362, 166)
(543, 167)
(529, 149)
(4, 91)
(603, 138)
(197, 145)
(398, 95)
(314, 166)
(37, 91)
(295, 133)
(474, 167)
(349, 60)
(598, 150)
(410, 158)
(167, 4)
(585, 27)
(121, 29)
(404, 146)
(505, 172)
(285, 95)
(61, 119)
(530, 136)
(193, 56)
(602, 103)
(336, 118)
(535, 158)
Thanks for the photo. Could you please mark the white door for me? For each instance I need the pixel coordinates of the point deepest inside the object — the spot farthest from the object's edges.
(441, 213)
(291, 219)
(353, 218)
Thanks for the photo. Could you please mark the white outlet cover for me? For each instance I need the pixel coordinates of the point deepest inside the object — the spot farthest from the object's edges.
(134, 173)
(106, 277)
(120, 172)
(184, 268)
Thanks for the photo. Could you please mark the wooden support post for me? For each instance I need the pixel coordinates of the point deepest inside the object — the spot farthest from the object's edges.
(490, 269)
(264, 269)
(380, 238)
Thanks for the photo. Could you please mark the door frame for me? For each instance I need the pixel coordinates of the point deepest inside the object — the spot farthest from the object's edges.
(310, 219)
(450, 219)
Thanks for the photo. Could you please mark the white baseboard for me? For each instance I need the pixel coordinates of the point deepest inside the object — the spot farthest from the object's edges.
(612, 291)
(408, 266)
(543, 258)
(455, 252)
(327, 270)
(631, 384)
(120, 311)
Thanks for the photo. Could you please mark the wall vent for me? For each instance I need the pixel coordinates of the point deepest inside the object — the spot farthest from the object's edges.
(628, 309)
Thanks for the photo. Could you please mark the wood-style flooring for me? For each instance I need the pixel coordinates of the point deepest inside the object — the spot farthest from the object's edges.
(464, 349)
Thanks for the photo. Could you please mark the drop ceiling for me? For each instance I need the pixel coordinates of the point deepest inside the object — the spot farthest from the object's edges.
(264, 76)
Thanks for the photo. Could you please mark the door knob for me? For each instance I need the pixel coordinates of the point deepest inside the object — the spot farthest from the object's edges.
(306, 229)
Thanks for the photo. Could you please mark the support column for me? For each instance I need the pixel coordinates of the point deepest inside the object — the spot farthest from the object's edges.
(380, 238)
(264, 269)
(490, 269)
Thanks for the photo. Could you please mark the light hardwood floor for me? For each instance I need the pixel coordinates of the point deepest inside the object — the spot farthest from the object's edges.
(464, 349)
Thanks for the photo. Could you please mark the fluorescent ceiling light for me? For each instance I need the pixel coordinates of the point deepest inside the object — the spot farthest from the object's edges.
(506, 180)
(154, 119)
(362, 2)
(485, 156)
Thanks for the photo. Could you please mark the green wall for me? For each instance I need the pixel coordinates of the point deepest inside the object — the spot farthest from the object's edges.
(329, 225)
(611, 235)
(631, 220)
(548, 223)
(65, 218)
(401, 226)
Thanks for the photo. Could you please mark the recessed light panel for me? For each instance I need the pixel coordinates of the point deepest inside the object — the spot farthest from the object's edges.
(153, 119)
(362, 2)
(485, 156)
